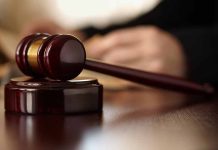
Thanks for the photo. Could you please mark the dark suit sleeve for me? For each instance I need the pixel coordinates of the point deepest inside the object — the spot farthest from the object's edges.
(201, 49)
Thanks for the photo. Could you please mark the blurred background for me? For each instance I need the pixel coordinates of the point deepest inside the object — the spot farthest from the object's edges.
(71, 13)
(16, 16)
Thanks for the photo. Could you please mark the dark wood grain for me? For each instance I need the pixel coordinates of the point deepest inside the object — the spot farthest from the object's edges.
(131, 119)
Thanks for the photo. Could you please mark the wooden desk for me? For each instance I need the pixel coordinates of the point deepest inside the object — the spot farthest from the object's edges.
(132, 119)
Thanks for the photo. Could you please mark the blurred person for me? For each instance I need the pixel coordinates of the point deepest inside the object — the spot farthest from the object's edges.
(177, 37)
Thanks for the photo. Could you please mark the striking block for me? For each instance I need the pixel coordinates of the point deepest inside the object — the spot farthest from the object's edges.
(34, 96)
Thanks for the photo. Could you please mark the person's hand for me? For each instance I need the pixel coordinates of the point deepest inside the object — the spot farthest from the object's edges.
(145, 48)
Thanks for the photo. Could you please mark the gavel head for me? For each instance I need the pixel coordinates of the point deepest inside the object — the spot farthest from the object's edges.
(60, 57)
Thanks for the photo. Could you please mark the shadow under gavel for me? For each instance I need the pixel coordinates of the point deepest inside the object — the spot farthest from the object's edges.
(63, 57)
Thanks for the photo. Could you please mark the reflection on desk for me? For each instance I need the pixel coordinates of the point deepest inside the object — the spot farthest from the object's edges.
(131, 119)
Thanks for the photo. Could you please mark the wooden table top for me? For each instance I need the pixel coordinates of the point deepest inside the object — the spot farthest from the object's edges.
(131, 119)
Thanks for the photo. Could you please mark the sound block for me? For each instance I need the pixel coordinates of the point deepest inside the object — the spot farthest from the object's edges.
(34, 96)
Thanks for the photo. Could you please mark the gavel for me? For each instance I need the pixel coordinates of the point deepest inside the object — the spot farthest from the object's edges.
(63, 57)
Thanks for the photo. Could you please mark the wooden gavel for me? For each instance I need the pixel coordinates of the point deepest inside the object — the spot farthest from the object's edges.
(63, 57)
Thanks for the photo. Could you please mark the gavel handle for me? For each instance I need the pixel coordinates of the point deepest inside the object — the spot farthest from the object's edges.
(147, 78)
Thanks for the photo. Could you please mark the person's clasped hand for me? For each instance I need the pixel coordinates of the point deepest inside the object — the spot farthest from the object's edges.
(146, 48)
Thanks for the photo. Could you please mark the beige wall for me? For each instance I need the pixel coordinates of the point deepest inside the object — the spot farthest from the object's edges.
(15, 13)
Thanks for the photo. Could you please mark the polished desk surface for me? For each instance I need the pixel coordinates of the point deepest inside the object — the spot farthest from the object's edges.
(131, 119)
